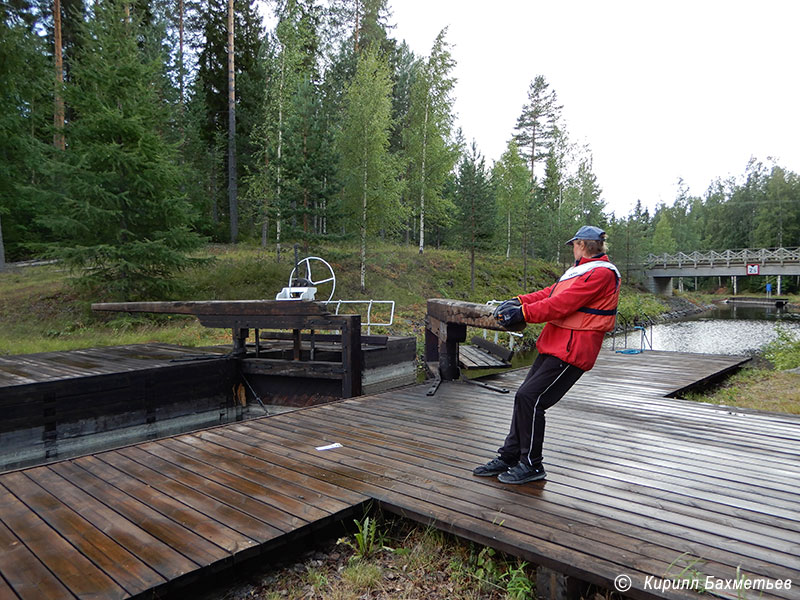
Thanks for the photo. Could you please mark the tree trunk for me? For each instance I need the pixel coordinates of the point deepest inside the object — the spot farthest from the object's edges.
(472, 268)
(422, 184)
(364, 230)
(280, 151)
(508, 238)
(233, 200)
(2, 248)
(58, 114)
(181, 74)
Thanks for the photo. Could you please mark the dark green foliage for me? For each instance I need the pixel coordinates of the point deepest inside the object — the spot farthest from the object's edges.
(123, 223)
(309, 168)
(26, 117)
(211, 87)
(476, 207)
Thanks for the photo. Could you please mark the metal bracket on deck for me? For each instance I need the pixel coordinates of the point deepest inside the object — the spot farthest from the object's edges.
(433, 369)
(483, 384)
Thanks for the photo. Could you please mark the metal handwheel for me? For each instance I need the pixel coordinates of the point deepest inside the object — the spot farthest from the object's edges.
(330, 278)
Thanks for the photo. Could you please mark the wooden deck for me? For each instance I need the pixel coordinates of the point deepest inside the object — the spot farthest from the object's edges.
(637, 482)
(49, 367)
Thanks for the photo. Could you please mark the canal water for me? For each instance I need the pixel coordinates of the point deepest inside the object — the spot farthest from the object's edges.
(727, 329)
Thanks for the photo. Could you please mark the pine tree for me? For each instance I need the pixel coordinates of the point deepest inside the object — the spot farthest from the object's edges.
(212, 82)
(369, 173)
(430, 152)
(537, 125)
(124, 224)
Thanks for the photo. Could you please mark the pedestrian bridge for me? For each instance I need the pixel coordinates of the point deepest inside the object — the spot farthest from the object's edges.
(660, 269)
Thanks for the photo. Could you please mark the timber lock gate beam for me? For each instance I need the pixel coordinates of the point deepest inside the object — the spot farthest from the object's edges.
(446, 327)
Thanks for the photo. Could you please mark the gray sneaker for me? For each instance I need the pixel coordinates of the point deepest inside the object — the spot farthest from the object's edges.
(493, 467)
(522, 473)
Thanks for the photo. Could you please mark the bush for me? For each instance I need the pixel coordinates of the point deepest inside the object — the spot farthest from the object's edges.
(784, 352)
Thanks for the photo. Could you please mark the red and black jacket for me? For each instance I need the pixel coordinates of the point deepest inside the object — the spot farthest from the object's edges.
(578, 309)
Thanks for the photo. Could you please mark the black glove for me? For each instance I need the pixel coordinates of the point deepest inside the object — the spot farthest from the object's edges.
(506, 304)
(509, 314)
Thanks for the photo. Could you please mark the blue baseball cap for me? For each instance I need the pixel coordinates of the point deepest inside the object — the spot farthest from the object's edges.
(587, 232)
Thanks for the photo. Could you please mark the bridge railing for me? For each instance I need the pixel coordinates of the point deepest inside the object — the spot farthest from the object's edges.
(712, 258)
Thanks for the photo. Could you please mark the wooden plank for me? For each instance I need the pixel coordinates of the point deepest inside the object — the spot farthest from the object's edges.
(377, 456)
(467, 313)
(73, 569)
(218, 307)
(252, 530)
(215, 532)
(315, 369)
(25, 573)
(501, 352)
(473, 358)
(6, 593)
(166, 561)
(173, 533)
(372, 340)
(114, 560)
(265, 502)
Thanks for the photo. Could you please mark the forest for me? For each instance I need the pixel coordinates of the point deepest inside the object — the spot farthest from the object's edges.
(134, 131)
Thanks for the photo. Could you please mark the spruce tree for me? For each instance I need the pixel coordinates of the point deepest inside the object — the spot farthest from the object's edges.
(309, 170)
(26, 130)
(124, 224)
(476, 208)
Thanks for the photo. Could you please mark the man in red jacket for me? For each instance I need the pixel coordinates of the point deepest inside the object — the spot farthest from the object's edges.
(578, 309)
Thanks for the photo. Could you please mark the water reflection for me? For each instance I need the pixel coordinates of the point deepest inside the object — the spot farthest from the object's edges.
(728, 329)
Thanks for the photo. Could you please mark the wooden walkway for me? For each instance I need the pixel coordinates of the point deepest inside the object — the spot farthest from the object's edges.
(53, 367)
(638, 484)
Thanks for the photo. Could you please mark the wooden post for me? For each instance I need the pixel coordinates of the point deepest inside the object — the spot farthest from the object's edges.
(240, 341)
(351, 356)
(296, 344)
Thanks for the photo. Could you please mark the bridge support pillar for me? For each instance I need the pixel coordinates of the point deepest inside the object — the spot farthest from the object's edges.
(660, 285)
(779, 285)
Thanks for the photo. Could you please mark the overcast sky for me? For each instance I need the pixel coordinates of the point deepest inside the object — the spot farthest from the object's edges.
(658, 90)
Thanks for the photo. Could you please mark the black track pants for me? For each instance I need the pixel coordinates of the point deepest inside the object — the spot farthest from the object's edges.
(546, 383)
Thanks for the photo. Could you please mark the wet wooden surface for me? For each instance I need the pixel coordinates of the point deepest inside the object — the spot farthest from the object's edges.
(638, 484)
(24, 369)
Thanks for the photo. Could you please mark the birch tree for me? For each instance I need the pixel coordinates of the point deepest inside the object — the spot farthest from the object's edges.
(233, 189)
(430, 151)
(369, 172)
(512, 189)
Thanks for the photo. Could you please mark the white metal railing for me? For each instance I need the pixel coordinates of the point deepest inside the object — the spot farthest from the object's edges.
(712, 258)
(370, 303)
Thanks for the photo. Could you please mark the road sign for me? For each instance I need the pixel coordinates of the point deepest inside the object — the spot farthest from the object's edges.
(753, 269)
